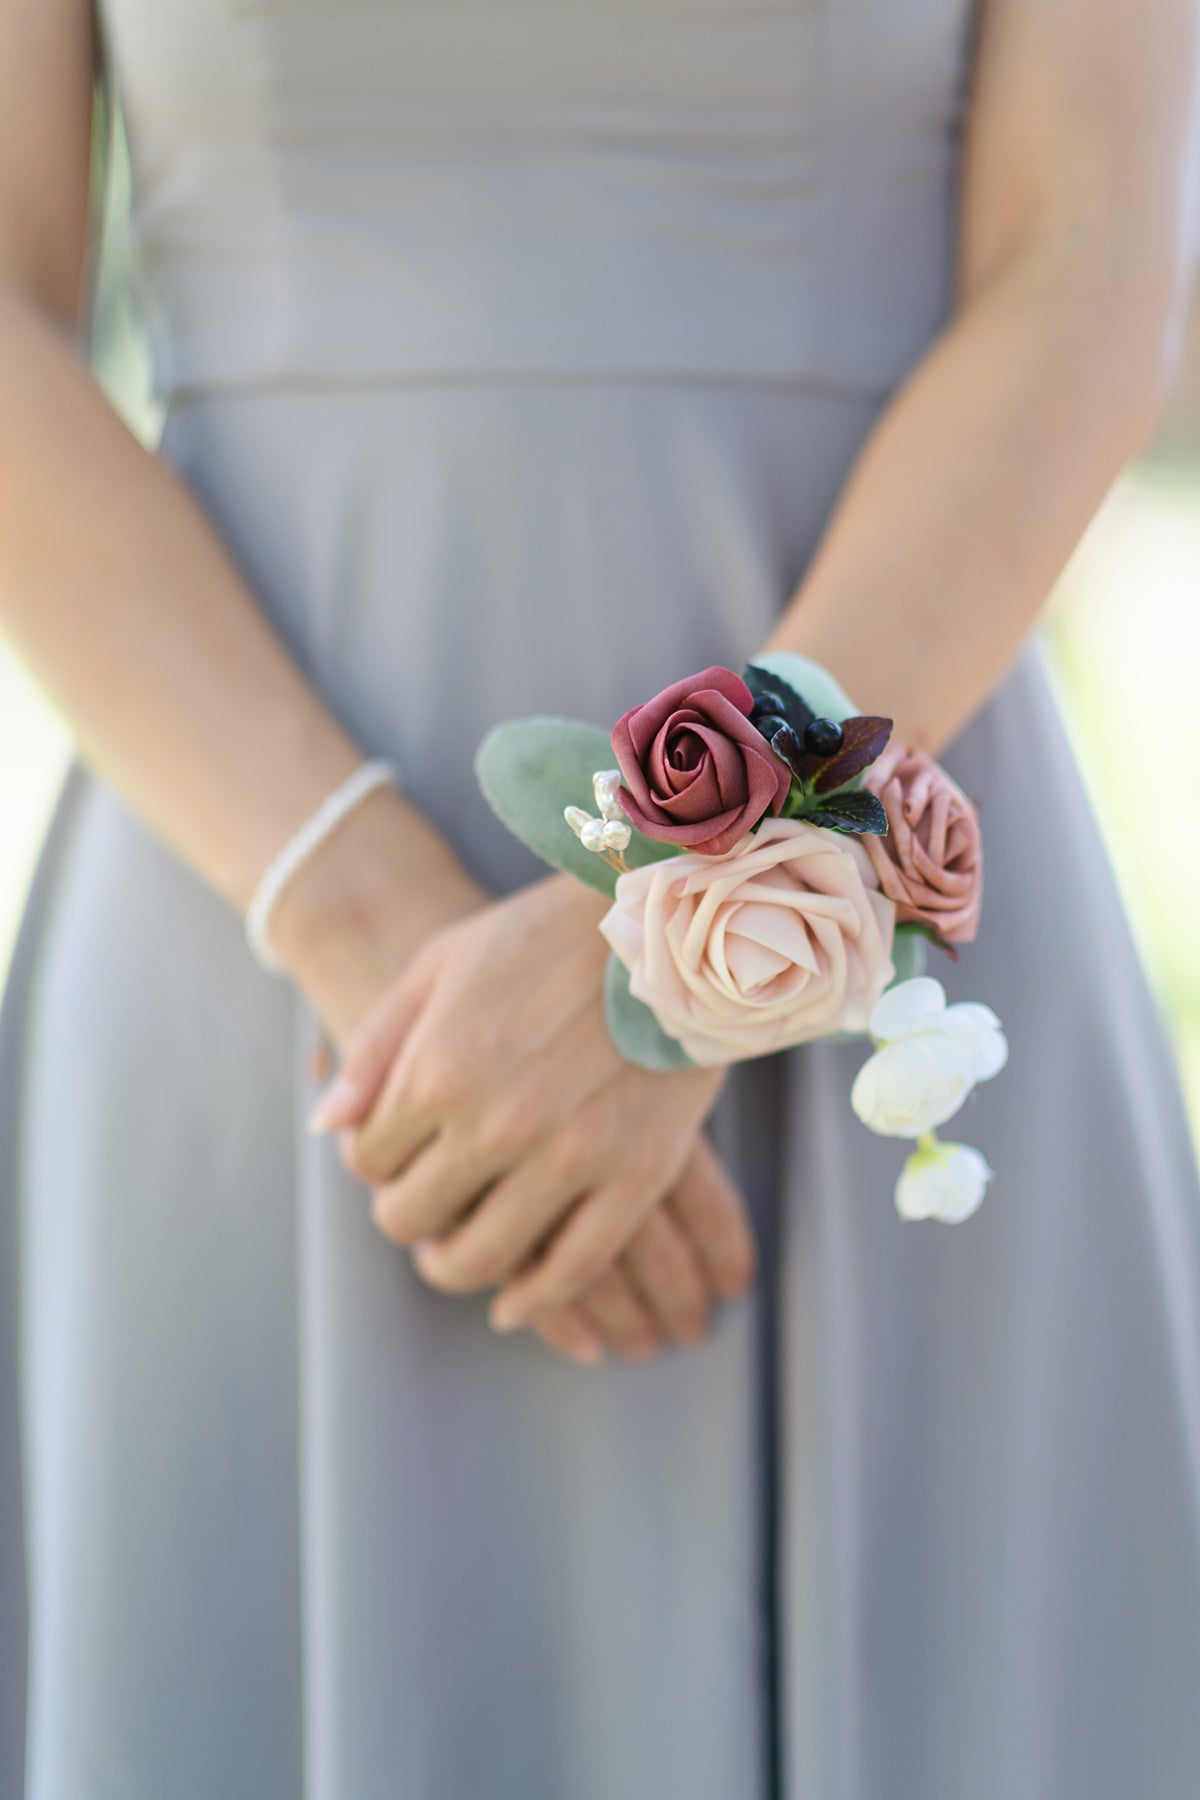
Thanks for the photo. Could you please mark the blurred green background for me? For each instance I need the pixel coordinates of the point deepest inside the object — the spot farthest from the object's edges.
(1122, 628)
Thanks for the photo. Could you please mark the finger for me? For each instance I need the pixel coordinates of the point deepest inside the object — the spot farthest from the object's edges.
(499, 1103)
(665, 1272)
(428, 1197)
(422, 1088)
(505, 1229)
(616, 1310)
(593, 1236)
(571, 1334)
(370, 1053)
(712, 1215)
(357, 1162)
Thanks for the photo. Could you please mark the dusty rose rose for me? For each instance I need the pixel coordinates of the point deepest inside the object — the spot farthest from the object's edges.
(931, 860)
(696, 771)
(782, 939)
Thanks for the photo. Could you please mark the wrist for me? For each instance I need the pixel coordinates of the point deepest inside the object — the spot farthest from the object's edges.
(370, 894)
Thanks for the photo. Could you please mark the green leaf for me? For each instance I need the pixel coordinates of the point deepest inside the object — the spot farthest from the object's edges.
(530, 769)
(633, 1027)
(852, 811)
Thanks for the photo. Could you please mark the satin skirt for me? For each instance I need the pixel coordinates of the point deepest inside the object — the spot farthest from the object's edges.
(921, 1518)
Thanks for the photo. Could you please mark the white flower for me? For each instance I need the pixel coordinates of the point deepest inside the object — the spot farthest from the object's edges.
(912, 1085)
(942, 1181)
(929, 1058)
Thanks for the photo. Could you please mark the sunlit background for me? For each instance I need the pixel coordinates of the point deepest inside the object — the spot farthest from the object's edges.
(1122, 628)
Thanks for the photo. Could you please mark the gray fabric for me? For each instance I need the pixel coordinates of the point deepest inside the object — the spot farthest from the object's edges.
(921, 1520)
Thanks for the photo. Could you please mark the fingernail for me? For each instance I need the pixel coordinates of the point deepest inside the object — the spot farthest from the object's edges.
(336, 1106)
(503, 1317)
(588, 1355)
(423, 1251)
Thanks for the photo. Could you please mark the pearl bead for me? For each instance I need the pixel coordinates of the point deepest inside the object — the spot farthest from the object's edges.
(605, 783)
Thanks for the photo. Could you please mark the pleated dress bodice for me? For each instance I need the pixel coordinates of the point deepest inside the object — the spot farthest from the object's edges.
(693, 187)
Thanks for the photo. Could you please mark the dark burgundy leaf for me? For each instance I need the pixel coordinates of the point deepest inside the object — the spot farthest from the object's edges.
(863, 737)
(785, 742)
(796, 711)
(857, 811)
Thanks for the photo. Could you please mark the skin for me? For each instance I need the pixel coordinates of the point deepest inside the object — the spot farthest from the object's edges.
(196, 713)
(1071, 285)
(1074, 268)
(1060, 351)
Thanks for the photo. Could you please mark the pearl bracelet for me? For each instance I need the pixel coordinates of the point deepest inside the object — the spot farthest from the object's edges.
(365, 779)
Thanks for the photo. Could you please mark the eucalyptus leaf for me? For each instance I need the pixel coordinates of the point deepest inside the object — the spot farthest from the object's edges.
(531, 769)
(634, 1029)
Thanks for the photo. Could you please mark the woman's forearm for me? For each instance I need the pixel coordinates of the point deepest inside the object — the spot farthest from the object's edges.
(976, 484)
(119, 596)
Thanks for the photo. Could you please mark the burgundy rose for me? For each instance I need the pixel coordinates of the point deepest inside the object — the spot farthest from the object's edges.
(696, 771)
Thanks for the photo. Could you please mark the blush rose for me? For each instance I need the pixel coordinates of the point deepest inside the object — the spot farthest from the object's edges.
(783, 939)
(931, 860)
(695, 771)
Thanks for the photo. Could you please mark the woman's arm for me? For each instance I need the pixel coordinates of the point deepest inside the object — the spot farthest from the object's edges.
(119, 596)
(982, 473)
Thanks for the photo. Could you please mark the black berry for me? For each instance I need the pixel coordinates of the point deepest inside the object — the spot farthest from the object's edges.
(822, 737)
(767, 705)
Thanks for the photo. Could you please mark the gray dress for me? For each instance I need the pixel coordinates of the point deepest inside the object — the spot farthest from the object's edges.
(519, 353)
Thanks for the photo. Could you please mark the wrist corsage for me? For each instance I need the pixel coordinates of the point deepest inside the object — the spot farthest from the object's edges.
(777, 870)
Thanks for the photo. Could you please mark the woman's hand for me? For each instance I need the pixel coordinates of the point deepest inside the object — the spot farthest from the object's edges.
(694, 1246)
(501, 1117)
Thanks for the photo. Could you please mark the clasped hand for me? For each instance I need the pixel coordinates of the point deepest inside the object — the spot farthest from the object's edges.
(507, 1143)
